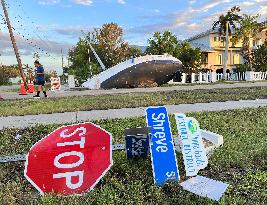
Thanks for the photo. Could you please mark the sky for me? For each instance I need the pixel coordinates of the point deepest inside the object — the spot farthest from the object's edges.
(47, 26)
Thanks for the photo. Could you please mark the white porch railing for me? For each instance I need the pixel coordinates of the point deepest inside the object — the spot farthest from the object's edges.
(214, 77)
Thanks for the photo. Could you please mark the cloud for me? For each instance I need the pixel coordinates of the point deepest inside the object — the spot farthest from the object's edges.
(73, 31)
(252, 3)
(247, 3)
(212, 3)
(83, 2)
(184, 23)
(192, 2)
(48, 2)
(121, 1)
(255, 7)
(51, 47)
(54, 2)
(263, 10)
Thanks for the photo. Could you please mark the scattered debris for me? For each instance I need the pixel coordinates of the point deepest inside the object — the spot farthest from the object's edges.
(205, 187)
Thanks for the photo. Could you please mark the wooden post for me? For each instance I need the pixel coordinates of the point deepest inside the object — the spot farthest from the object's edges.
(14, 42)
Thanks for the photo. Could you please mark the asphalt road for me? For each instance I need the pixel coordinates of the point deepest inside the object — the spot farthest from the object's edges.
(68, 93)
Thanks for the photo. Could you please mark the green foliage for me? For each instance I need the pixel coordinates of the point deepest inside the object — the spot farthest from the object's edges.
(168, 43)
(190, 57)
(134, 52)
(27, 107)
(242, 68)
(110, 46)
(240, 162)
(259, 58)
(249, 28)
(225, 25)
(84, 71)
(80, 65)
(162, 43)
(7, 72)
(231, 18)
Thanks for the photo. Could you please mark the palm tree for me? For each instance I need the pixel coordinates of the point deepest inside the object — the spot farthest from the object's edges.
(249, 28)
(225, 24)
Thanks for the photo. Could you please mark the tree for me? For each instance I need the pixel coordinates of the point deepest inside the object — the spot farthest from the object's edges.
(249, 28)
(168, 43)
(259, 58)
(162, 43)
(190, 57)
(7, 72)
(83, 63)
(36, 55)
(225, 25)
(134, 52)
(110, 45)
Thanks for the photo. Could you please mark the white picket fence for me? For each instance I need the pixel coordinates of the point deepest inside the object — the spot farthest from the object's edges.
(214, 77)
(232, 76)
(259, 76)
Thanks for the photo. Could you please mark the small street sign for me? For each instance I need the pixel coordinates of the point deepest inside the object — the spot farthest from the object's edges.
(162, 150)
(192, 147)
(137, 142)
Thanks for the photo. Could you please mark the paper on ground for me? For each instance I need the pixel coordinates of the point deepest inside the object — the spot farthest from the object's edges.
(205, 187)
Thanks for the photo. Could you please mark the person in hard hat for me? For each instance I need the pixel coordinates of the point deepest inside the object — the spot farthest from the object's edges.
(40, 79)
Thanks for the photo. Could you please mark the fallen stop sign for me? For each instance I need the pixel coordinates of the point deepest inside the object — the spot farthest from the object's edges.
(71, 160)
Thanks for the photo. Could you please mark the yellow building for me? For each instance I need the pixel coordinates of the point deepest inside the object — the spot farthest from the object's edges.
(213, 48)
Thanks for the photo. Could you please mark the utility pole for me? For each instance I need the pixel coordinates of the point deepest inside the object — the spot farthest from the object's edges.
(14, 42)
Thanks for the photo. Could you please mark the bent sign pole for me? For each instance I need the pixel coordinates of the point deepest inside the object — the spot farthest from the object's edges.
(69, 161)
(163, 157)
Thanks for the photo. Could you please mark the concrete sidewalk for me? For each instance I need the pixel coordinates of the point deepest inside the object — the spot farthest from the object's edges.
(73, 117)
(60, 94)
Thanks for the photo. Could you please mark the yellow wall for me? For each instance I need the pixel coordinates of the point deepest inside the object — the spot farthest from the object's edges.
(234, 58)
(218, 48)
(219, 44)
(262, 36)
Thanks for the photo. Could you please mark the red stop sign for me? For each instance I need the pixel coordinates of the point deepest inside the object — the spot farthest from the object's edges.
(70, 160)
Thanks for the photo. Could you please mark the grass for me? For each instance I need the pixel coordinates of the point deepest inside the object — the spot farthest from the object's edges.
(71, 104)
(241, 163)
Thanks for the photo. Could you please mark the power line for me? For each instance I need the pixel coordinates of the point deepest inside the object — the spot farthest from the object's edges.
(32, 22)
(46, 46)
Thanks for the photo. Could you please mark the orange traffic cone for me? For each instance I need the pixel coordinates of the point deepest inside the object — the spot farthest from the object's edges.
(22, 89)
(30, 87)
